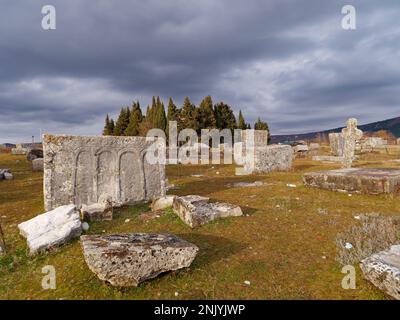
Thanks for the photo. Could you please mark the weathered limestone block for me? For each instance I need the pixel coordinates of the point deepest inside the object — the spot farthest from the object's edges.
(162, 203)
(196, 210)
(269, 159)
(369, 181)
(373, 142)
(383, 270)
(126, 260)
(84, 170)
(20, 151)
(37, 164)
(336, 141)
(97, 212)
(51, 229)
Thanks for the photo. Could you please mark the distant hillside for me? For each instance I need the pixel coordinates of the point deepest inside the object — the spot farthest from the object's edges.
(390, 125)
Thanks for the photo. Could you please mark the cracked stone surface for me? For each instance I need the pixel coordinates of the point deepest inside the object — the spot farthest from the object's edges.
(383, 270)
(51, 229)
(196, 210)
(126, 260)
(361, 180)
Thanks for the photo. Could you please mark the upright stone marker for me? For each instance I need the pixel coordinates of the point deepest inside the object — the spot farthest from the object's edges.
(88, 170)
(350, 135)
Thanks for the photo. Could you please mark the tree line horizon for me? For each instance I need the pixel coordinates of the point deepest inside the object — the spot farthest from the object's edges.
(132, 122)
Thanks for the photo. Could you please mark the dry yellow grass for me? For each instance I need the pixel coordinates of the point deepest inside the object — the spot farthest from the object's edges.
(284, 245)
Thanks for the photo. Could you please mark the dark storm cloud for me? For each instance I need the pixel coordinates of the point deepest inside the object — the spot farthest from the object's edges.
(286, 61)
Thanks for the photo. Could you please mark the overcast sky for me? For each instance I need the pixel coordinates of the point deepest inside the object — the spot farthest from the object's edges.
(289, 62)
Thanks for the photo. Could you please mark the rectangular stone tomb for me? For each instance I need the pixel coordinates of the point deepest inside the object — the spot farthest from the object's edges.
(270, 158)
(361, 180)
(88, 170)
(196, 210)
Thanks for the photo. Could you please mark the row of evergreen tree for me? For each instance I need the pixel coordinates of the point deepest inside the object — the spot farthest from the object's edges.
(132, 122)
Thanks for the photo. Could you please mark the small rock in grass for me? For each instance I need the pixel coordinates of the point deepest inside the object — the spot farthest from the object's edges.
(85, 226)
(348, 246)
(247, 282)
(127, 220)
(290, 185)
(176, 294)
(357, 217)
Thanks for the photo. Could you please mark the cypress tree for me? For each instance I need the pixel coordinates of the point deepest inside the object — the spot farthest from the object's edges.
(159, 118)
(106, 131)
(204, 115)
(241, 122)
(224, 116)
(135, 120)
(187, 114)
(122, 122)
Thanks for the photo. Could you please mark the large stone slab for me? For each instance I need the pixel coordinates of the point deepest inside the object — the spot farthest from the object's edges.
(88, 170)
(383, 270)
(51, 229)
(362, 180)
(196, 210)
(126, 260)
(269, 159)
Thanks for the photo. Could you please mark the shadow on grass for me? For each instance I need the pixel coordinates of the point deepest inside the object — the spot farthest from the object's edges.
(212, 248)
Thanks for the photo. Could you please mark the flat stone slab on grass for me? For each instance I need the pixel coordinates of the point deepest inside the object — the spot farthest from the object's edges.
(196, 210)
(362, 180)
(125, 260)
(51, 229)
(383, 270)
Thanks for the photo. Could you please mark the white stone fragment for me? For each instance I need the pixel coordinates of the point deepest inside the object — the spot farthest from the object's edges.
(51, 229)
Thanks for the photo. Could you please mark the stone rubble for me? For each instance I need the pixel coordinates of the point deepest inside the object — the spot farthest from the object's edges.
(97, 212)
(162, 203)
(126, 260)
(5, 174)
(196, 210)
(51, 229)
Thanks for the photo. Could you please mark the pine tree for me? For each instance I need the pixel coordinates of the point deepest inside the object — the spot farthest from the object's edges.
(135, 120)
(122, 122)
(241, 122)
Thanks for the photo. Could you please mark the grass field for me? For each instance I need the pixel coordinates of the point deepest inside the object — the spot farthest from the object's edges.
(284, 244)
